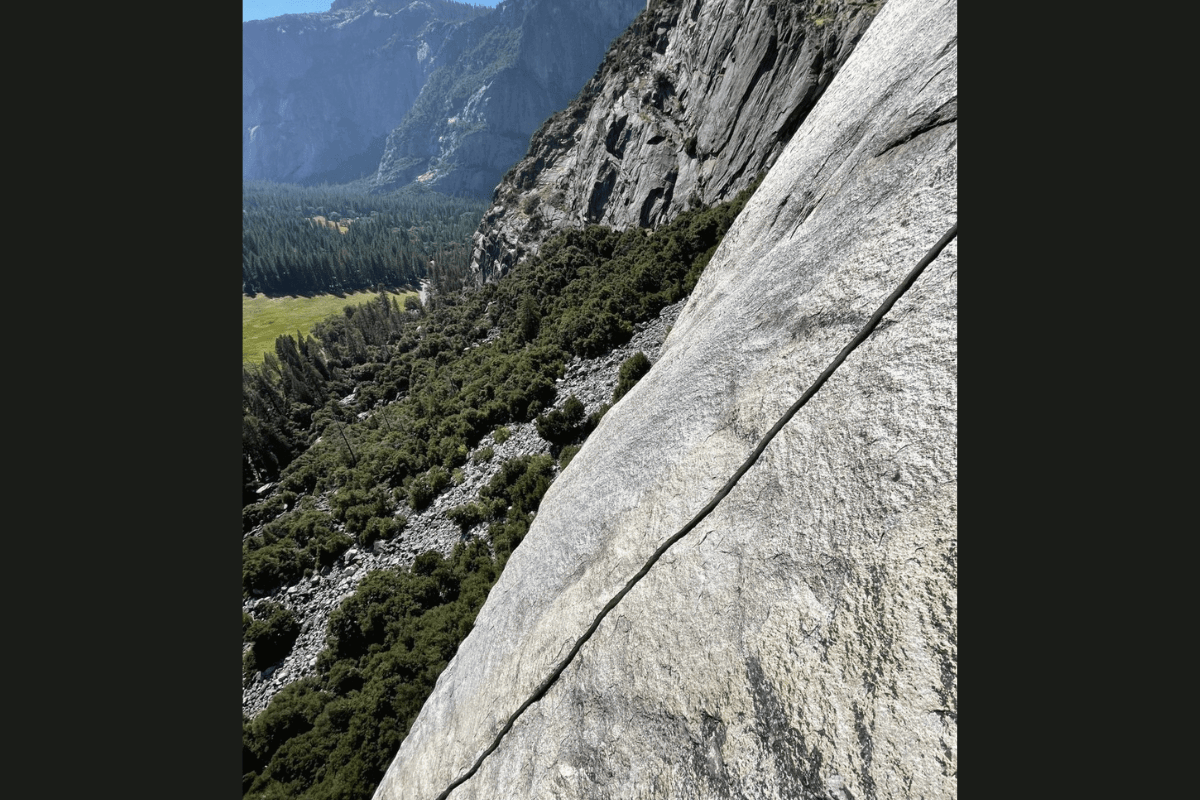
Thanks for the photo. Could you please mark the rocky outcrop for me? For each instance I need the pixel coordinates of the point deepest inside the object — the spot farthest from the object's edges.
(321, 91)
(802, 640)
(511, 70)
(689, 106)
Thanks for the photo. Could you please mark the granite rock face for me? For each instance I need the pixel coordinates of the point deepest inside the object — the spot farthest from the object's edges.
(321, 91)
(510, 70)
(802, 640)
(689, 106)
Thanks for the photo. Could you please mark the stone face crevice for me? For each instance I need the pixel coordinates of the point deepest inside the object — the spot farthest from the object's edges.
(777, 729)
(944, 115)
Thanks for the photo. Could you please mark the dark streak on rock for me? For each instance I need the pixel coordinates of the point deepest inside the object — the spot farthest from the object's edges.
(797, 766)
(865, 750)
(706, 759)
(600, 193)
(826, 318)
(615, 141)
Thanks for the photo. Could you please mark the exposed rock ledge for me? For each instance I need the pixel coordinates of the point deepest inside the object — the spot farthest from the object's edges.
(802, 642)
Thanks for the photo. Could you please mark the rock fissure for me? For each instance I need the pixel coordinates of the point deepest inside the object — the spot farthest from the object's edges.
(540, 691)
(931, 123)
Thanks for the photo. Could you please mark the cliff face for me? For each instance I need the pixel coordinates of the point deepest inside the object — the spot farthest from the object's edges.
(802, 640)
(320, 91)
(409, 90)
(689, 106)
(510, 71)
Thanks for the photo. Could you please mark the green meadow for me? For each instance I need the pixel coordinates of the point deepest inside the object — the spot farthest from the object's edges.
(264, 319)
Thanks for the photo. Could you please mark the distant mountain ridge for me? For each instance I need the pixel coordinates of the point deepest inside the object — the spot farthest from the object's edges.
(441, 93)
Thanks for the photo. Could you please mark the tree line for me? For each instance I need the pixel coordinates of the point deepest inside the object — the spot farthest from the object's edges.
(295, 239)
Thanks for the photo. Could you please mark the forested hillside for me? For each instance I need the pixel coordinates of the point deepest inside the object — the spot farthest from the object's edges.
(428, 385)
(334, 239)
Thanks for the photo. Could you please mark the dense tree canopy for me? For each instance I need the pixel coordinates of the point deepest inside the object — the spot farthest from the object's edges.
(306, 240)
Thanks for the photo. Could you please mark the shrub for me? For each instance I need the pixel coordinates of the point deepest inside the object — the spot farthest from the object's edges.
(502, 434)
(520, 483)
(420, 494)
(326, 549)
(588, 332)
(268, 567)
(344, 678)
(273, 633)
(507, 535)
(632, 370)
(469, 515)
(483, 456)
(562, 425)
(262, 512)
(457, 456)
(301, 477)
(378, 528)
(597, 415)
(292, 712)
(438, 479)
(356, 507)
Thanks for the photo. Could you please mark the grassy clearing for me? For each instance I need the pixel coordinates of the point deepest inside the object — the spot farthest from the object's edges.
(341, 226)
(264, 319)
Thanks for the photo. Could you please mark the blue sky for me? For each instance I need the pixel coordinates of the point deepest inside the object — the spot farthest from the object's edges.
(265, 9)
